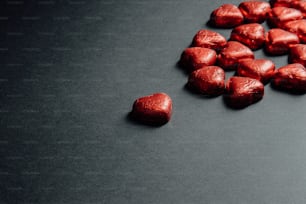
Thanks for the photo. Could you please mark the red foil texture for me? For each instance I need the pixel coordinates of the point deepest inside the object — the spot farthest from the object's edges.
(254, 11)
(260, 69)
(226, 16)
(155, 109)
(209, 80)
(297, 27)
(251, 35)
(243, 91)
(278, 41)
(232, 53)
(297, 54)
(300, 5)
(194, 58)
(209, 39)
(282, 3)
(279, 15)
(291, 78)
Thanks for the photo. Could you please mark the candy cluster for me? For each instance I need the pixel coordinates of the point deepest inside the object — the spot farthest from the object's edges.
(210, 55)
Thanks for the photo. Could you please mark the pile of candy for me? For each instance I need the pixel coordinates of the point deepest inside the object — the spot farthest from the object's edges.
(210, 55)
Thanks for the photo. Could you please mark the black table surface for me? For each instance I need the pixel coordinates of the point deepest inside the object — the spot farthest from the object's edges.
(69, 73)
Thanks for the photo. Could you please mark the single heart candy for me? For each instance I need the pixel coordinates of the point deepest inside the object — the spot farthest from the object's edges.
(278, 41)
(155, 109)
(243, 91)
(226, 16)
(251, 35)
(291, 77)
(260, 69)
(208, 80)
(195, 57)
(230, 55)
(209, 39)
(279, 15)
(254, 11)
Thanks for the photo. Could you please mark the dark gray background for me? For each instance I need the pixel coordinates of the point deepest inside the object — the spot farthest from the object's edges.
(70, 71)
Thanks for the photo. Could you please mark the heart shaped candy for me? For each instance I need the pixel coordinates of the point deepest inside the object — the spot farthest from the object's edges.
(291, 77)
(226, 16)
(279, 15)
(230, 55)
(195, 57)
(278, 41)
(208, 80)
(297, 27)
(243, 91)
(251, 35)
(254, 11)
(260, 69)
(209, 39)
(155, 109)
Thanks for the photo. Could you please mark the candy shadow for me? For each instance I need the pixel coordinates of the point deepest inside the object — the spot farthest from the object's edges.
(229, 106)
(290, 92)
(179, 65)
(210, 25)
(182, 68)
(129, 118)
(196, 94)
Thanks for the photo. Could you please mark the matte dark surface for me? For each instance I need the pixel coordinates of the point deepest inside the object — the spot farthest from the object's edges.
(70, 72)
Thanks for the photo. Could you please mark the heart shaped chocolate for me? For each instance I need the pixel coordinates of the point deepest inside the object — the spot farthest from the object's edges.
(243, 91)
(291, 77)
(251, 35)
(260, 69)
(297, 27)
(232, 53)
(279, 15)
(254, 11)
(226, 16)
(208, 80)
(278, 41)
(155, 109)
(209, 39)
(195, 57)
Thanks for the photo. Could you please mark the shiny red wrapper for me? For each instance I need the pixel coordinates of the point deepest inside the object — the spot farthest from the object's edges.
(291, 78)
(297, 27)
(243, 91)
(282, 3)
(300, 5)
(232, 53)
(209, 39)
(278, 41)
(297, 54)
(254, 11)
(251, 35)
(226, 16)
(279, 15)
(260, 69)
(209, 80)
(194, 58)
(155, 109)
